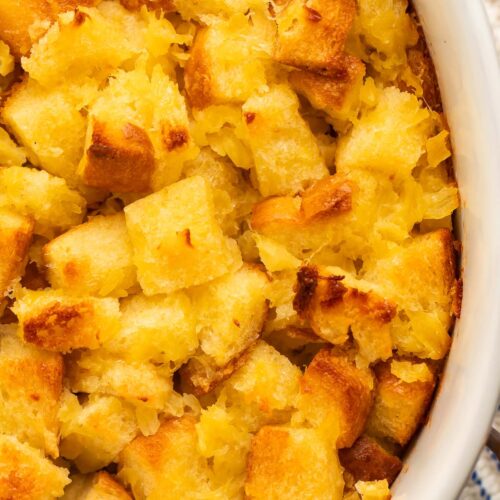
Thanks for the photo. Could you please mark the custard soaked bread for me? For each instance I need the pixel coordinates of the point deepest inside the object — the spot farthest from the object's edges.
(227, 261)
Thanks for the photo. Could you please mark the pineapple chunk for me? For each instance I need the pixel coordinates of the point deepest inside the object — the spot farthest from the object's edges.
(58, 322)
(427, 296)
(226, 63)
(26, 474)
(141, 384)
(7, 63)
(366, 460)
(16, 232)
(373, 490)
(293, 463)
(389, 138)
(99, 486)
(31, 382)
(94, 258)
(167, 465)
(285, 151)
(176, 239)
(334, 308)
(10, 153)
(159, 328)
(312, 33)
(46, 199)
(336, 395)
(138, 136)
(399, 406)
(94, 433)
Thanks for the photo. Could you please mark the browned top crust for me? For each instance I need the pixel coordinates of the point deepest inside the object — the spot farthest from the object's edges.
(164, 5)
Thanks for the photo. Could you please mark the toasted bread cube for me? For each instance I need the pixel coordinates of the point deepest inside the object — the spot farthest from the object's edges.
(10, 153)
(207, 10)
(338, 95)
(366, 460)
(334, 308)
(99, 486)
(31, 382)
(141, 384)
(166, 465)
(159, 328)
(138, 136)
(312, 34)
(94, 258)
(225, 64)
(393, 148)
(16, 232)
(373, 490)
(337, 394)
(285, 151)
(291, 463)
(93, 434)
(427, 294)
(162, 5)
(57, 322)
(399, 406)
(26, 474)
(45, 198)
(176, 239)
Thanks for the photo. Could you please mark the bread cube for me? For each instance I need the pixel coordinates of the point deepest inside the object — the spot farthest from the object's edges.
(226, 63)
(58, 322)
(46, 199)
(427, 295)
(312, 34)
(94, 258)
(138, 134)
(31, 382)
(26, 474)
(373, 490)
(94, 433)
(16, 232)
(166, 465)
(393, 148)
(334, 308)
(176, 239)
(159, 328)
(10, 153)
(292, 463)
(162, 5)
(207, 10)
(336, 394)
(338, 96)
(399, 406)
(99, 486)
(366, 460)
(285, 152)
(141, 384)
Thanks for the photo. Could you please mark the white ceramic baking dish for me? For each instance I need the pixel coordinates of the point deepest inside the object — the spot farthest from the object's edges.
(461, 44)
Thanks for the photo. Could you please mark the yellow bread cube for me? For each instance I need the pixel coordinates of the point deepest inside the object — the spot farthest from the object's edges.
(285, 151)
(46, 199)
(7, 62)
(99, 486)
(333, 392)
(94, 433)
(32, 382)
(293, 463)
(167, 465)
(10, 153)
(226, 63)
(159, 328)
(94, 258)
(176, 239)
(58, 322)
(312, 34)
(373, 490)
(138, 135)
(399, 406)
(390, 138)
(25, 474)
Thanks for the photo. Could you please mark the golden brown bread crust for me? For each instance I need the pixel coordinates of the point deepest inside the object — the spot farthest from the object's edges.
(366, 460)
(163, 5)
(119, 160)
(399, 407)
(104, 484)
(334, 388)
